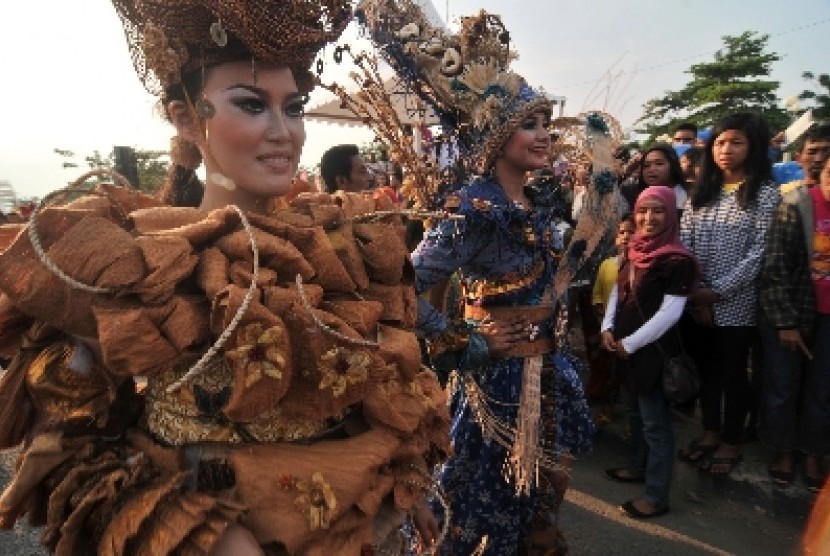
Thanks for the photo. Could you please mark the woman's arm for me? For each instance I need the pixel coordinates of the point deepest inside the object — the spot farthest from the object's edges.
(446, 247)
(666, 316)
(610, 310)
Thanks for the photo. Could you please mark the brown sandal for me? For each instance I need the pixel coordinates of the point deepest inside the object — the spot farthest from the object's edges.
(557, 547)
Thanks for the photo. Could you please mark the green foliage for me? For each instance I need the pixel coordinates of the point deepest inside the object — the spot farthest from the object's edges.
(152, 166)
(819, 100)
(736, 80)
(152, 169)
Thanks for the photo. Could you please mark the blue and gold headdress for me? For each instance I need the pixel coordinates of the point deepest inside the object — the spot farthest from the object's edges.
(464, 77)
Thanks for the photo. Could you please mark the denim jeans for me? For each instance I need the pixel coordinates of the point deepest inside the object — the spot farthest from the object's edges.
(652, 444)
(796, 395)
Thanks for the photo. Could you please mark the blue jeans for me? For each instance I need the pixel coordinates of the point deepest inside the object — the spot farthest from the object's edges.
(796, 393)
(652, 444)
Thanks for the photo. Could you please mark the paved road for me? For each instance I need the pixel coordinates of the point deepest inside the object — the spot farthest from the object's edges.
(738, 516)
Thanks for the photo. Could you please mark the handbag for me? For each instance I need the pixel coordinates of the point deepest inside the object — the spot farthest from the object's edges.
(680, 378)
(681, 381)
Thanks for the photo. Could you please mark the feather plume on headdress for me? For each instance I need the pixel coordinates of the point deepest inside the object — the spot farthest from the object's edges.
(590, 139)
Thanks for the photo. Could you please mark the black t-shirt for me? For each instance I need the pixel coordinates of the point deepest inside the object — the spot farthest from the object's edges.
(671, 275)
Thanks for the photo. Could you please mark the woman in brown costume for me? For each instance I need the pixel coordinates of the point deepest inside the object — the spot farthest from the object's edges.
(282, 406)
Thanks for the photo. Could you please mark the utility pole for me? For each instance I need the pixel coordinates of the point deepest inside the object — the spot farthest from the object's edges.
(126, 164)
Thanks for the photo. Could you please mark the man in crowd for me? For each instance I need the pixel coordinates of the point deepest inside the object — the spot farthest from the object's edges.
(684, 134)
(343, 168)
(794, 326)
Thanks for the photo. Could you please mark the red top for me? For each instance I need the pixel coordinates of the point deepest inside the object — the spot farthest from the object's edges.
(820, 260)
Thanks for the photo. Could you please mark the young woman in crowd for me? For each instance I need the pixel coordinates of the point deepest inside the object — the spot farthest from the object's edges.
(690, 162)
(281, 413)
(660, 166)
(639, 327)
(725, 228)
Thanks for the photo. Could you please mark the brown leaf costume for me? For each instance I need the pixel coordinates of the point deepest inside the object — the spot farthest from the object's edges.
(294, 430)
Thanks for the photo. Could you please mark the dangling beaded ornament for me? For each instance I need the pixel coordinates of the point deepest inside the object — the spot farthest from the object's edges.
(218, 33)
(205, 109)
(222, 180)
(184, 153)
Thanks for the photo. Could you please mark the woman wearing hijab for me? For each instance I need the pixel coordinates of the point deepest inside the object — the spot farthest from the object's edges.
(639, 326)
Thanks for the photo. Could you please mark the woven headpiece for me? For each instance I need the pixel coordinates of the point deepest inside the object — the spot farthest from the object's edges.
(169, 38)
(464, 77)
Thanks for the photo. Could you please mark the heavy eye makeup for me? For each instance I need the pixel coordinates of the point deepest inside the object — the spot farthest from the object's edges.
(254, 101)
(531, 123)
(249, 104)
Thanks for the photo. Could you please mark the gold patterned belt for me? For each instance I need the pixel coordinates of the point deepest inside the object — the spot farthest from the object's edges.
(532, 313)
(179, 418)
(511, 281)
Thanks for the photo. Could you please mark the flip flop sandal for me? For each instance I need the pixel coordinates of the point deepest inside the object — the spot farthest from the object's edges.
(730, 462)
(781, 478)
(696, 449)
(616, 474)
(631, 510)
(559, 547)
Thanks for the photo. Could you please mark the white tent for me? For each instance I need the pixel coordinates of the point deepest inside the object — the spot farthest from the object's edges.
(410, 108)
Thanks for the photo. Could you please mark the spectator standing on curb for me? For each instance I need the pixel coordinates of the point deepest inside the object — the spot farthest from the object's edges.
(639, 326)
(795, 301)
(601, 381)
(725, 226)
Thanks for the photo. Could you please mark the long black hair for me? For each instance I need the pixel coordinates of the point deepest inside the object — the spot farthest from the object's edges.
(675, 171)
(757, 166)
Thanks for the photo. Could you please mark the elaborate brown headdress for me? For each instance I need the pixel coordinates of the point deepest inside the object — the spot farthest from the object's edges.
(169, 38)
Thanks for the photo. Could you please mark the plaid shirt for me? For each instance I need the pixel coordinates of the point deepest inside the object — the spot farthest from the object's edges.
(786, 291)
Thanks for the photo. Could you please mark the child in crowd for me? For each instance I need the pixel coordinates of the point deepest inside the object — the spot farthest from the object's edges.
(601, 381)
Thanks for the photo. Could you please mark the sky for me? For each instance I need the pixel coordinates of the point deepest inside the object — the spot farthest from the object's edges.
(66, 80)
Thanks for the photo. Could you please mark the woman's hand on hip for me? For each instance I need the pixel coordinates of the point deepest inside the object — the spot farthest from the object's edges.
(503, 335)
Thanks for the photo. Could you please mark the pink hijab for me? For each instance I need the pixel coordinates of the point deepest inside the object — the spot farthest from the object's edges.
(643, 251)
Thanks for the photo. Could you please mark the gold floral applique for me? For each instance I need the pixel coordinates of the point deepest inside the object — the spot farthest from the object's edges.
(317, 501)
(341, 367)
(259, 352)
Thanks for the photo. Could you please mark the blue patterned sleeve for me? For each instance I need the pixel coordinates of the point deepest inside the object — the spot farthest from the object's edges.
(748, 268)
(445, 248)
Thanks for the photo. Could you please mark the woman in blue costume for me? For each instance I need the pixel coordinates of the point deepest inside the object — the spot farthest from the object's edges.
(519, 412)
(502, 250)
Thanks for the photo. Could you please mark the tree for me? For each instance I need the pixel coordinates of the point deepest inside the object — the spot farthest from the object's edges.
(736, 80)
(819, 101)
(152, 168)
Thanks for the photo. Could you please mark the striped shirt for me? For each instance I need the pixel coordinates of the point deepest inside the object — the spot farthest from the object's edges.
(729, 244)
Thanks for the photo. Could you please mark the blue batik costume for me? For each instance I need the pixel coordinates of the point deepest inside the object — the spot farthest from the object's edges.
(516, 416)
(504, 257)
